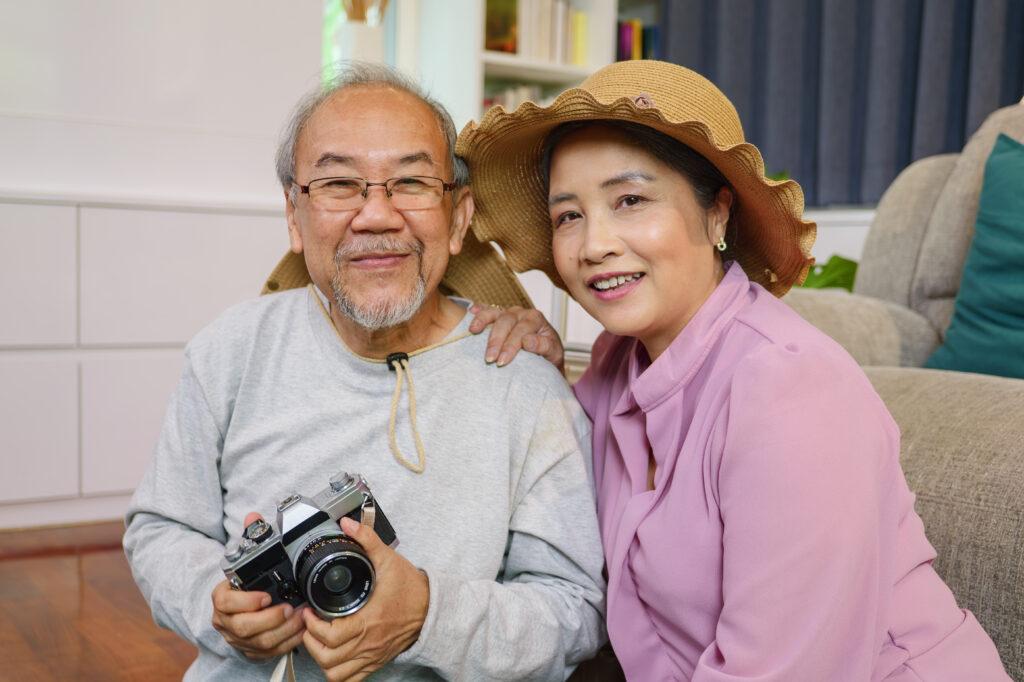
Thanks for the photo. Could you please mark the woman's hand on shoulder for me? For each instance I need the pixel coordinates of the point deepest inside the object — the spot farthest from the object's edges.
(517, 328)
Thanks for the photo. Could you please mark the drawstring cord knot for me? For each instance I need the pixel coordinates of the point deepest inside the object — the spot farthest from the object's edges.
(399, 364)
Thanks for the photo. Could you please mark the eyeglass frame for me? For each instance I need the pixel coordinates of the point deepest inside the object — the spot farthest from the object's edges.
(445, 186)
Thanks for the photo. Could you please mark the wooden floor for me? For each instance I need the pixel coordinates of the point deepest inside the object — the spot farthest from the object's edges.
(69, 610)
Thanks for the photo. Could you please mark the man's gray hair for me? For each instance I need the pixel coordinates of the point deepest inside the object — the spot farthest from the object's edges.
(354, 74)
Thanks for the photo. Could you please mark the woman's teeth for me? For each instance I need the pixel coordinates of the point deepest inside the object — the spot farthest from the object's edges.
(613, 282)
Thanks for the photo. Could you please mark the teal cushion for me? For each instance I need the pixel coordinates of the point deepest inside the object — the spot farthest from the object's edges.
(986, 334)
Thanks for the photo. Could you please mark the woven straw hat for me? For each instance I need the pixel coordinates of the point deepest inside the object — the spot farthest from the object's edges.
(770, 240)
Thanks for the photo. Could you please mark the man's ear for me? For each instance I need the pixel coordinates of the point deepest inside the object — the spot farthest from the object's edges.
(462, 215)
(294, 234)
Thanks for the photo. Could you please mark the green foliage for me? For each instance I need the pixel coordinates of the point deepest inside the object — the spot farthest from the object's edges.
(838, 272)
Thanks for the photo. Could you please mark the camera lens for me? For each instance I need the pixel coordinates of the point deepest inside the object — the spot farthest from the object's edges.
(335, 574)
(337, 579)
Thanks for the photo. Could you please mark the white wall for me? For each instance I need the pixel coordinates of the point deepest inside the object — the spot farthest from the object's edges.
(137, 201)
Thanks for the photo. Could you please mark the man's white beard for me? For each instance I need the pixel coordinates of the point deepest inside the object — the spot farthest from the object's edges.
(382, 313)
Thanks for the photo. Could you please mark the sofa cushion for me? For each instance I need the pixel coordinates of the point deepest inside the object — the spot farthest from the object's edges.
(962, 448)
(944, 247)
(873, 331)
(987, 331)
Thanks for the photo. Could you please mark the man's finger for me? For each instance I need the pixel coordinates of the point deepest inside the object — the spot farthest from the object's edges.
(351, 671)
(327, 645)
(364, 535)
(288, 645)
(340, 634)
(273, 639)
(249, 625)
(228, 601)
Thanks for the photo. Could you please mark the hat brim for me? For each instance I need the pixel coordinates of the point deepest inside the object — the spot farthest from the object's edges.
(504, 152)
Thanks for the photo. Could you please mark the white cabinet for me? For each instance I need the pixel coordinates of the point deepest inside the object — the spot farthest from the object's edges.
(124, 397)
(37, 275)
(158, 277)
(99, 303)
(39, 427)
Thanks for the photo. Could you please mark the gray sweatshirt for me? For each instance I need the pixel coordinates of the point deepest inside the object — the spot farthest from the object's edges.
(502, 518)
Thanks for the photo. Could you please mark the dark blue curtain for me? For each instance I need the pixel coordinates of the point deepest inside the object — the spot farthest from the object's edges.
(843, 94)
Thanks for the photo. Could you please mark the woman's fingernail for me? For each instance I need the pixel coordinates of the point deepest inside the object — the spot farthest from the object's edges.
(490, 355)
(265, 602)
(503, 359)
(288, 610)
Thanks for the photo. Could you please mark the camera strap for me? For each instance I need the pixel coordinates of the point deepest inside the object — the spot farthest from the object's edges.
(285, 669)
(369, 511)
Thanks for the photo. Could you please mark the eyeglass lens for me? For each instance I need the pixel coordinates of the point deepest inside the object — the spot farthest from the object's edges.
(410, 192)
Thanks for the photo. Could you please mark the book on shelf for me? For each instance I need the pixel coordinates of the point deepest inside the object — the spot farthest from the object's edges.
(538, 30)
(500, 26)
(637, 41)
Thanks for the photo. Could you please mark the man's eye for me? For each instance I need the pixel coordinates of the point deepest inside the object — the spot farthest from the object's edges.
(341, 184)
(409, 182)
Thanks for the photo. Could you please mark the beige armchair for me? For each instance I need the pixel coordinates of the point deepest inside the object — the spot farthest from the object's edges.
(962, 434)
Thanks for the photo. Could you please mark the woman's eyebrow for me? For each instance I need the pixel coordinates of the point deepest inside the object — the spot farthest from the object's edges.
(621, 178)
(628, 176)
(559, 198)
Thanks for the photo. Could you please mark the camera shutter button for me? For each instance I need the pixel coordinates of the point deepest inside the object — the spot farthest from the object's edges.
(258, 531)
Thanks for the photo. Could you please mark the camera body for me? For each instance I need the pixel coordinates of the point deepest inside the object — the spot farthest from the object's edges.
(312, 561)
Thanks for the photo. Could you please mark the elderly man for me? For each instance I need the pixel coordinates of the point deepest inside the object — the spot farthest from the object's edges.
(481, 469)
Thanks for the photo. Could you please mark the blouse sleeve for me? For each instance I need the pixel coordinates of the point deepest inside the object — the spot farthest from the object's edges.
(805, 472)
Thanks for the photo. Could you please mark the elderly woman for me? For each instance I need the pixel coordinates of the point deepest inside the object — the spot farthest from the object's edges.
(756, 522)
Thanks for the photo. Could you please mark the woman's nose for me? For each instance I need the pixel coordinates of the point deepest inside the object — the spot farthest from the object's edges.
(600, 241)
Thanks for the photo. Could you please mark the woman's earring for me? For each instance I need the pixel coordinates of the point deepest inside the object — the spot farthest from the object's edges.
(721, 243)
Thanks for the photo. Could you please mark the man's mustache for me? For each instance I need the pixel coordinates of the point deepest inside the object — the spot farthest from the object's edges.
(380, 244)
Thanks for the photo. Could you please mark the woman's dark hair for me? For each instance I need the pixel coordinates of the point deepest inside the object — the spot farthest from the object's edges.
(702, 175)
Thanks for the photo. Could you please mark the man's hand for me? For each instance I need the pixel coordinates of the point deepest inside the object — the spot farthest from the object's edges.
(516, 328)
(352, 647)
(246, 624)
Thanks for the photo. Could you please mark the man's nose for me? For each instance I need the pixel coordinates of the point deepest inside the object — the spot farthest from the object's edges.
(377, 214)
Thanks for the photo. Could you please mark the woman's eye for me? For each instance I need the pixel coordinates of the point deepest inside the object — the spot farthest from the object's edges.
(563, 218)
(631, 200)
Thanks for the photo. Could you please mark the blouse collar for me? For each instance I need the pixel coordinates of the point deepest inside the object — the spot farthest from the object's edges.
(650, 384)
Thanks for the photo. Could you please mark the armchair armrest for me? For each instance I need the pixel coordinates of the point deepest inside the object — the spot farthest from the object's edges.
(873, 331)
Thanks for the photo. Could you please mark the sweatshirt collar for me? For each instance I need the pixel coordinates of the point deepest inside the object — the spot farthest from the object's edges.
(367, 374)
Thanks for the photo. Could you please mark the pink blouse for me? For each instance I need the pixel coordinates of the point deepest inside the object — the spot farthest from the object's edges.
(780, 541)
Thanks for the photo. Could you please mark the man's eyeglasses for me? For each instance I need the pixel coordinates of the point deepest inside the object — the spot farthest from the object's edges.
(406, 193)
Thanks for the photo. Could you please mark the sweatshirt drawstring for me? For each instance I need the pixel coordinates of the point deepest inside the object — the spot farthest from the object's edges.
(399, 364)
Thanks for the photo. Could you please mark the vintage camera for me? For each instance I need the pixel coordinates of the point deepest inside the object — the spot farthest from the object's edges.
(312, 560)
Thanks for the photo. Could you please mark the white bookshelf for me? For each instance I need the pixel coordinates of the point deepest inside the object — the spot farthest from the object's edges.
(442, 45)
(507, 66)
